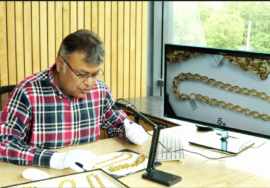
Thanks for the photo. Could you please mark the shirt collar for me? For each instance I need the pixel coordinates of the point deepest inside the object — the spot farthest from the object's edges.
(53, 82)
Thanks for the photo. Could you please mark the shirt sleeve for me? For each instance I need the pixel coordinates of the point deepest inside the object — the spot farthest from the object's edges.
(114, 119)
(15, 123)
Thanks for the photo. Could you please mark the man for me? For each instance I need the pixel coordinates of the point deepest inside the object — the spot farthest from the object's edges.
(64, 105)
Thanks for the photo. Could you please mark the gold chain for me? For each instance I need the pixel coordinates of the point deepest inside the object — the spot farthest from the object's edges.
(259, 67)
(116, 157)
(70, 181)
(136, 163)
(97, 178)
(222, 104)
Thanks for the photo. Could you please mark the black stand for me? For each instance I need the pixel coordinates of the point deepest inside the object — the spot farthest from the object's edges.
(152, 174)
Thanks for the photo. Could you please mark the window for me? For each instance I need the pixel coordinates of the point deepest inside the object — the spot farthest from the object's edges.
(236, 25)
(224, 24)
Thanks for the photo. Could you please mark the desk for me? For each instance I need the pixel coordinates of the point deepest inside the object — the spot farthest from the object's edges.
(249, 169)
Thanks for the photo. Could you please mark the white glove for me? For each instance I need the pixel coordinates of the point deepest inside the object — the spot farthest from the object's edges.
(60, 161)
(135, 133)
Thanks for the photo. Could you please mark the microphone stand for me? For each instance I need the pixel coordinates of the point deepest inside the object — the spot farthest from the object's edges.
(151, 174)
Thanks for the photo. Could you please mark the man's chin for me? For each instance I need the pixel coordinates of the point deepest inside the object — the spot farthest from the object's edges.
(80, 95)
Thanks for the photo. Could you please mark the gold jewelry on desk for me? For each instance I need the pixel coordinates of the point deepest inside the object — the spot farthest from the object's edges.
(222, 104)
(70, 181)
(102, 162)
(136, 163)
(97, 178)
(259, 67)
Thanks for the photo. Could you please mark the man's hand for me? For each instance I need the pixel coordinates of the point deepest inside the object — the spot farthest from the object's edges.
(61, 161)
(135, 133)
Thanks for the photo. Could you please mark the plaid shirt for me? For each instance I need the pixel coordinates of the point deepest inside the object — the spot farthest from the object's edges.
(38, 116)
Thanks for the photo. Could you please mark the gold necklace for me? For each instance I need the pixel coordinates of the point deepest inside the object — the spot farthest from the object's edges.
(259, 67)
(97, 178)
(136, 163)
(116, 157)
(70, 181)
(222, 104)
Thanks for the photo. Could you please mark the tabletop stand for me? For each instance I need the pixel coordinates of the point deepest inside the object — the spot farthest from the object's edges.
(152, 174)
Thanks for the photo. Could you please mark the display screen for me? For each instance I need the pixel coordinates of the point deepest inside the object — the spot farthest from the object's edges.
(224, 89)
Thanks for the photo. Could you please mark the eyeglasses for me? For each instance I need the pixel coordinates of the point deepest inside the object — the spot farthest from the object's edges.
(86, 76)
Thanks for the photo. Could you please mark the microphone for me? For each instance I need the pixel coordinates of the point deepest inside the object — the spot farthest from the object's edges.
(118, 105)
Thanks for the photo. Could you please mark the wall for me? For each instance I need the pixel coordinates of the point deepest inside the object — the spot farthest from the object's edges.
(31, 32)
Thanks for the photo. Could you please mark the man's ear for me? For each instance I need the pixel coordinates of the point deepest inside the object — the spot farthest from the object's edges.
(59, 63)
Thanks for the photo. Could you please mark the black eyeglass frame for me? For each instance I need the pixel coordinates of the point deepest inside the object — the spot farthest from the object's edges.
(83, 75)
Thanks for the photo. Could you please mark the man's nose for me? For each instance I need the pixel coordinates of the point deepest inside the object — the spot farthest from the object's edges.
(89, 81)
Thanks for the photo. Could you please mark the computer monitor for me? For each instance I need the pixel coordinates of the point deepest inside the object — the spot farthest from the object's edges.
(223, 89)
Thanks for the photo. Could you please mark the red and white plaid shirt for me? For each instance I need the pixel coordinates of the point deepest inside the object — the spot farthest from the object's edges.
(38, 116)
